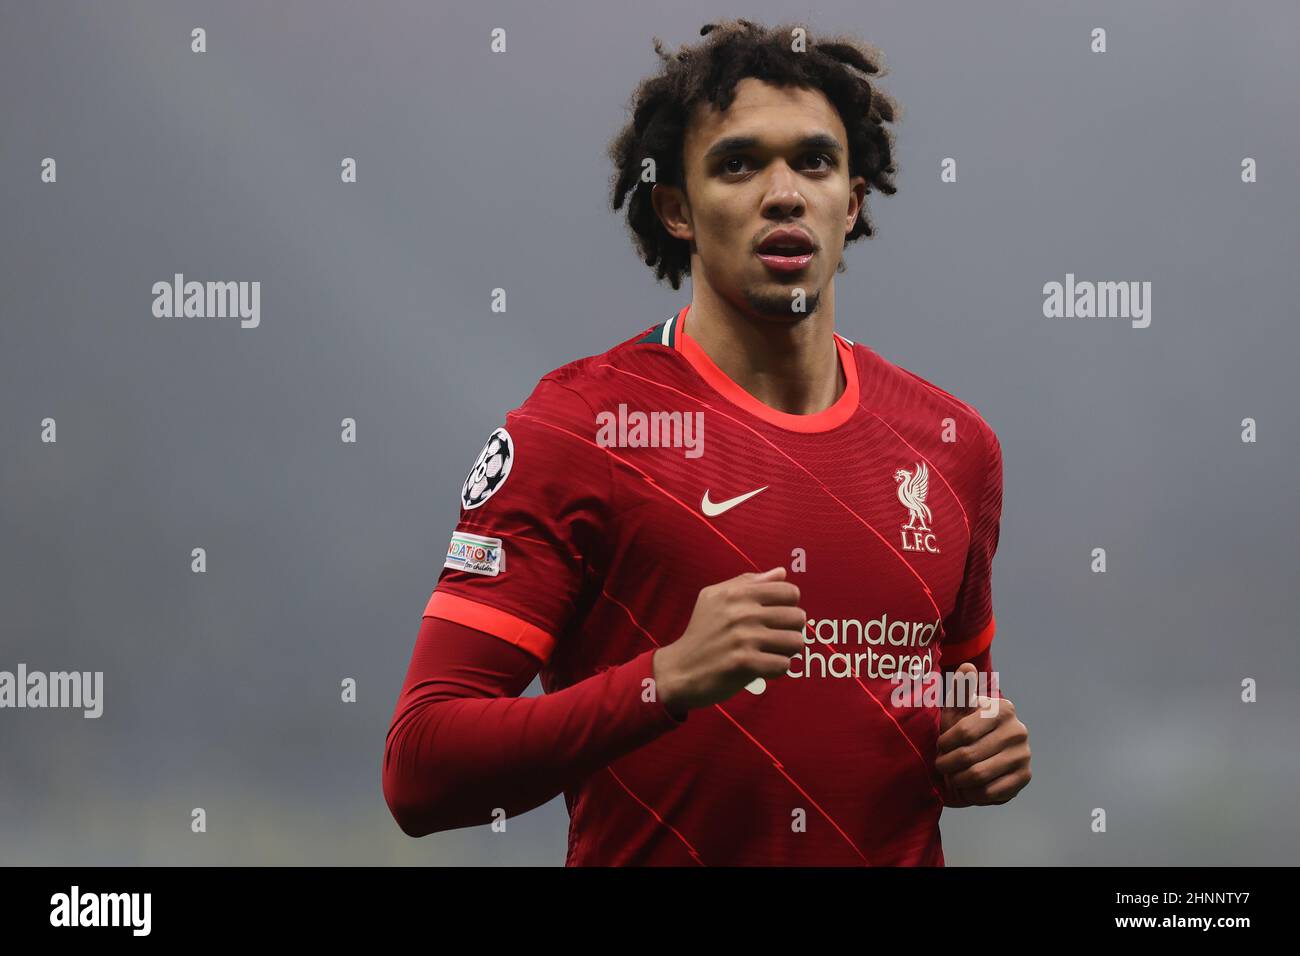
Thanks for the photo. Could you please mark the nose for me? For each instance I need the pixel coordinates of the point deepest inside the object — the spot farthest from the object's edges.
(783, 198)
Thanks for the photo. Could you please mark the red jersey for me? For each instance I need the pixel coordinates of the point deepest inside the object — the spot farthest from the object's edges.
(624, 484)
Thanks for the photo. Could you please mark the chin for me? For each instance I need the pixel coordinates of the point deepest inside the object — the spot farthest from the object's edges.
(779, 305)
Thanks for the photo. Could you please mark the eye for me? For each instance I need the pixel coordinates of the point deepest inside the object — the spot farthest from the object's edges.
(727, 168)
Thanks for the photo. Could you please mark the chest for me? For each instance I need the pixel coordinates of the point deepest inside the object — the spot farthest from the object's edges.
(865, 522)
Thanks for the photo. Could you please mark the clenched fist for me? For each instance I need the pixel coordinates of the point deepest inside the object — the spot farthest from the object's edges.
(746, 627)
(983, 749)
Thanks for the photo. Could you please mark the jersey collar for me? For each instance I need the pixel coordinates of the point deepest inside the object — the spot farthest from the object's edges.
(674, 335)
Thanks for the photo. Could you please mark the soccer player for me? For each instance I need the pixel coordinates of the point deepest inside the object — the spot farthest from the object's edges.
(728, 542)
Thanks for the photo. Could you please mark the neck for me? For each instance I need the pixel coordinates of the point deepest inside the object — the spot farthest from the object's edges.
(787, 363)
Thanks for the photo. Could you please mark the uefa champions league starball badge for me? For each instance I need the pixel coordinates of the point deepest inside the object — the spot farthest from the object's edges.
(490, 470)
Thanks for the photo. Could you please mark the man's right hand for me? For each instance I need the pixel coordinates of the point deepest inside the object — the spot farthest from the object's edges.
(746, 627)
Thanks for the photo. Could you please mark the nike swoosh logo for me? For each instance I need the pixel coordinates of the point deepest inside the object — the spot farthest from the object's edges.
(713, 509)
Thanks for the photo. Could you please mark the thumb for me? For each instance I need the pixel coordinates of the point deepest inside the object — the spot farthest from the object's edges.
(772, 574)
(960, 701)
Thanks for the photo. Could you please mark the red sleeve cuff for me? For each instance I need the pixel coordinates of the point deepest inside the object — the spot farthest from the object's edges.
(491, 620)
(631, 679)
(954, 654)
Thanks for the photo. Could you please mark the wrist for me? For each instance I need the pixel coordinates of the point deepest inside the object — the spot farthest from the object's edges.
(665, 686)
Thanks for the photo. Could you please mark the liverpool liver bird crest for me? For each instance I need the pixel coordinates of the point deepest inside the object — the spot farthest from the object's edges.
(912, 489)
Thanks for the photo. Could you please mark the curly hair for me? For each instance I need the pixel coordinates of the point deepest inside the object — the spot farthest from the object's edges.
(708, 72)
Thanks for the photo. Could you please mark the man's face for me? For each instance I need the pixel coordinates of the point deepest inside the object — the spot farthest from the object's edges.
(776, 159)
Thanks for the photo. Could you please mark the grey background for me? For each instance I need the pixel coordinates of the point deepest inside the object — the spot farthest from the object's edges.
(478, 171)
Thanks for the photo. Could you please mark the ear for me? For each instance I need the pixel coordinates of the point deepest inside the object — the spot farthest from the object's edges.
(857, 199)
(674, 211)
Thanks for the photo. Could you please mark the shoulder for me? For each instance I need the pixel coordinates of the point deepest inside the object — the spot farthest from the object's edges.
(579, 389)
(547, 445)
(907, 386)
(555, 429)
(550, 440)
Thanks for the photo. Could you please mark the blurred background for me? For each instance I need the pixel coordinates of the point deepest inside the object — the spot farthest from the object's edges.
(478, 170)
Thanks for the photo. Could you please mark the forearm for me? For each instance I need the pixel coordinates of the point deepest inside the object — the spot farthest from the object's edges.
(458, 752)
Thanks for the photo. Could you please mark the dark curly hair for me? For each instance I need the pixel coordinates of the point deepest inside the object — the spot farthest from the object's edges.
(709, 71)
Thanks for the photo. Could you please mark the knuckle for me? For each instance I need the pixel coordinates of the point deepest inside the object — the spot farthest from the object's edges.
(737, 641)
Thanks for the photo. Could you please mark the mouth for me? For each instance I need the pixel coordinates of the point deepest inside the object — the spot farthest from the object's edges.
(786, 250)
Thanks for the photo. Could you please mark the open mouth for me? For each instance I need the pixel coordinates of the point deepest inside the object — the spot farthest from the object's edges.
(786, 250)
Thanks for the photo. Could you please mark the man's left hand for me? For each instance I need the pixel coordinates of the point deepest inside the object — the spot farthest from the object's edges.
(983, 749)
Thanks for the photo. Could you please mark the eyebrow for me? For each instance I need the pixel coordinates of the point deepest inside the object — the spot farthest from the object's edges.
(736, 144)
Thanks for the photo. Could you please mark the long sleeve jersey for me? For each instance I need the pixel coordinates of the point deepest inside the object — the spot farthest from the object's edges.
(588, 525)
